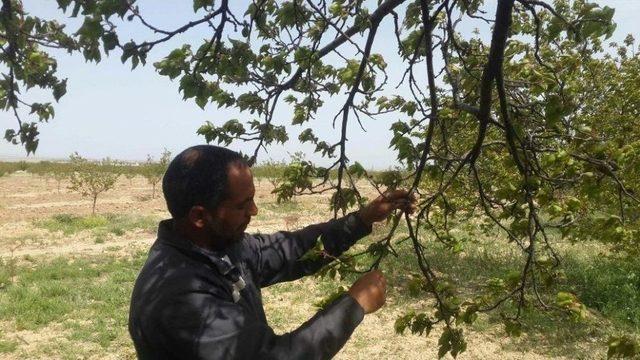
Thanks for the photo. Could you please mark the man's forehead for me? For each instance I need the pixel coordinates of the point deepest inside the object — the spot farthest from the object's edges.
(240, 180)
(239, 169)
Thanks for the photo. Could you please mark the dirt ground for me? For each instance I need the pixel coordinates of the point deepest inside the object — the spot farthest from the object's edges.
(25, 198)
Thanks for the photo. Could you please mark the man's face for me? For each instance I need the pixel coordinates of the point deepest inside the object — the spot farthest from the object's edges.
(231, 218)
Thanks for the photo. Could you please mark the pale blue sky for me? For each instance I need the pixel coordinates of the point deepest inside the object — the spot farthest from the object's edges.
(112, 111)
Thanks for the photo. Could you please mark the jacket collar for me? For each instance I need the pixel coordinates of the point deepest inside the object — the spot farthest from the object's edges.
(219, 259)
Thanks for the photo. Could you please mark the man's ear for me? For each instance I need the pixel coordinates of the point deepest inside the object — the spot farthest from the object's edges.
(197, 216)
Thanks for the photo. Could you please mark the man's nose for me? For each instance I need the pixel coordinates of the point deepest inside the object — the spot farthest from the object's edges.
(253, 209)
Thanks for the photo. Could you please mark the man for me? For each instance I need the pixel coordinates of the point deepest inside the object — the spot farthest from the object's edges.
(198, 295)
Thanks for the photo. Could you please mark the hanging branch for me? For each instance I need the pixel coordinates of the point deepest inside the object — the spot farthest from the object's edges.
(216, 38)
(347, 107)
(148, 45)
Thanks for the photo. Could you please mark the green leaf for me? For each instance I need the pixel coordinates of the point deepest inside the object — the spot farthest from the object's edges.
(329, 299)
(199, 4)
(444, 343)
(315, 253)
(403, 322)
(357, 170)
(128, 50)
(110, 41)
(470, 314)
(9, 134)
(250, 101)
(91, 28)
(553, 110)
(60, 89)
(190, 85)
(421, 324)
(570, 302)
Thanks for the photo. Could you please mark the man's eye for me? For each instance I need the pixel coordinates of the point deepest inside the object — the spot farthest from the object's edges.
(245, 205)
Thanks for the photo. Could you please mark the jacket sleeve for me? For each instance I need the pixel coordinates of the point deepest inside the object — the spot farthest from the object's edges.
(277, 257)
(225, 331)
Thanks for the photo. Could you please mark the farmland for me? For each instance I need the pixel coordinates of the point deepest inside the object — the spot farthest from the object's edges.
(66, 276)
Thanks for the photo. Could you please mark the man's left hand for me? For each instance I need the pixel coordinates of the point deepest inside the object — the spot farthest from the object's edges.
(380, 208)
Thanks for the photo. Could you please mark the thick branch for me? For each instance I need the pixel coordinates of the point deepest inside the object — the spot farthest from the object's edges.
(491, 70)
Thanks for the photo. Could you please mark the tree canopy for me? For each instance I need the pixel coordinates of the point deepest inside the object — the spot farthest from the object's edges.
(533, 132)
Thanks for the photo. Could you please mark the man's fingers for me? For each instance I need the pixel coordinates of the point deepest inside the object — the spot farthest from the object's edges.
(404, 204)
(386, 203)
(400, 194)
(392, 195)
(379, 276)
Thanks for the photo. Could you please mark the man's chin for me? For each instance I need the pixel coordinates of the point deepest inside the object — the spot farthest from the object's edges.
(239, 235)
(236, 236)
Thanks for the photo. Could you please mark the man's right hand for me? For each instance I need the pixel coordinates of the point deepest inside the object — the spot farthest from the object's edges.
(370, 291)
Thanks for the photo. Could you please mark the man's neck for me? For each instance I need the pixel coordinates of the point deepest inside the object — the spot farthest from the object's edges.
(198, 237)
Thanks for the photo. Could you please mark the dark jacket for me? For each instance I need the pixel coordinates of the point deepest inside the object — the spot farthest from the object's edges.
(184, 307)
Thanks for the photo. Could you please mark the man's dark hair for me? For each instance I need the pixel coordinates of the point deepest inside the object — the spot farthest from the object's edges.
(198, 176)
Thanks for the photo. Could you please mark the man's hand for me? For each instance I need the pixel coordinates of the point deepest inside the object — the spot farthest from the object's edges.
(370, 291)
(383, 205)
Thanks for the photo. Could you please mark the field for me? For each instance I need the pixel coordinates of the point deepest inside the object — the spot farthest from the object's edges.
(66, 278)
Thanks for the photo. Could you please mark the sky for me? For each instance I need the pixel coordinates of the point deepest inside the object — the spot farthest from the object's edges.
(111, 111)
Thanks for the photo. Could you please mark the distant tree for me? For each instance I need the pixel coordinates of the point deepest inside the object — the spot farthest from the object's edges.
(90, 179)
(41, 169)
(23, 165)
(153, 171)
(60, 172)
(129, 172)
(7, 168)
(270, 170)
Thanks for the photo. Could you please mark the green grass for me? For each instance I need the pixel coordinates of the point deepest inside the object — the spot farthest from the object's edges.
(8, 269)
(7, 346)
(89, 297)
(100, 225)
(609, 285)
